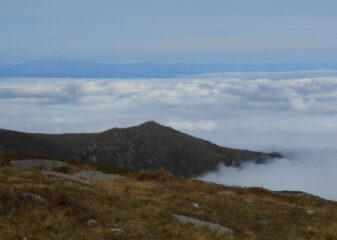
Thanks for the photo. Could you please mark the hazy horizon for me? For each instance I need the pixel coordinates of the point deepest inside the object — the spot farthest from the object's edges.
(68, 68)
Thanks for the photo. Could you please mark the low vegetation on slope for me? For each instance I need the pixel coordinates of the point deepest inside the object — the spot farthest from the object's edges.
(143, 205)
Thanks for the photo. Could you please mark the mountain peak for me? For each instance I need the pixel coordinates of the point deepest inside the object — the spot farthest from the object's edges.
(151, 123)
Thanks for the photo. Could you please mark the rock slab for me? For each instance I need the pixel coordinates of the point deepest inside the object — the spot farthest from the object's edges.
(39, 163)
(200, 223)
(98, 175)
(66, 177)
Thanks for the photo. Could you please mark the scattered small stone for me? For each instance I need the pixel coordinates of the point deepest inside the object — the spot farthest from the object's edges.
(32, 197)
(310, 212)
(91, 222)
(265, 222)
(248, 200)
(119, 230)
(196, 205)
(112, 209)
(200, 223)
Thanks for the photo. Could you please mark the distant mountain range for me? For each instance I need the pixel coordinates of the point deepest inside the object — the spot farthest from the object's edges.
(147, 146)
(61, 67)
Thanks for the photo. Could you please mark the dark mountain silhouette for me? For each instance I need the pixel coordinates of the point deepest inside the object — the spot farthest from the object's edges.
(147, 146)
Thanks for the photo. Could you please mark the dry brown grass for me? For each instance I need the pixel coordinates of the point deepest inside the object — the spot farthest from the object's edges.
(142, 206)
(160, 176)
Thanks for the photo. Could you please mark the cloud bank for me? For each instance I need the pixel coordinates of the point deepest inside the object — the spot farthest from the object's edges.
(311, 95)
(310, 171)
(295, 113)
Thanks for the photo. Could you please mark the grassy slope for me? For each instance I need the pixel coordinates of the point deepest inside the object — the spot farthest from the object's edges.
(143, 209)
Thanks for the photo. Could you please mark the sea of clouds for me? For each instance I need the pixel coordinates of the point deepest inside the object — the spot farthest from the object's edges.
(294, 113)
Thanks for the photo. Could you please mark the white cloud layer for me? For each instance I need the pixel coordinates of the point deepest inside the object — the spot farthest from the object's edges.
(311, 95)
(295, 113)
(309, 172)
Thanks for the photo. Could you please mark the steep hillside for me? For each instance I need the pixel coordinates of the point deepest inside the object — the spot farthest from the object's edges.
(147, 146)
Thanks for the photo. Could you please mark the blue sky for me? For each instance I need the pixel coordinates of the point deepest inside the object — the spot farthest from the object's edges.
(227, 31)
